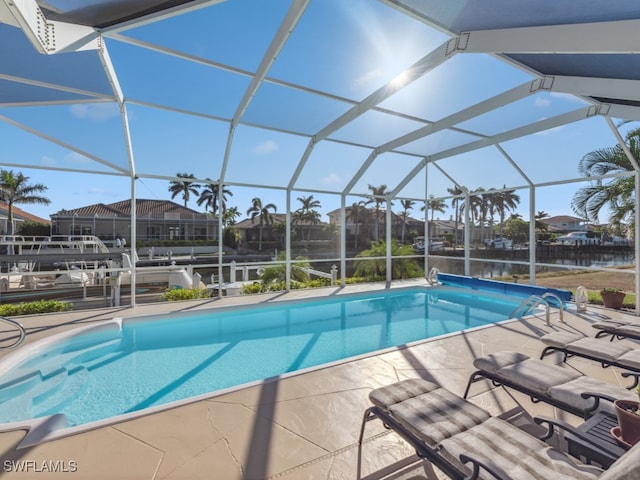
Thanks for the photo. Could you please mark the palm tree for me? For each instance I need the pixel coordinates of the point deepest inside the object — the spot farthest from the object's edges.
(617, 193)
(506, 200)
(211, 196)
(184, 187)
(280, 229)
(257, 209)
(473, 206)
(307, 213)
(14, 188)
(376, 194)
(357, 214)
(455, 203)
(433, 205)
(407, 205)
(229, 216)
(540, 225)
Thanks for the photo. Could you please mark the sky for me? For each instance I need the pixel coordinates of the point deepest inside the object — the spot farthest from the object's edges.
(178, 112)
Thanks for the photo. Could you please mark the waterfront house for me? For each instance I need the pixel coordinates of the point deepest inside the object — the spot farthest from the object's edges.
(155, 220)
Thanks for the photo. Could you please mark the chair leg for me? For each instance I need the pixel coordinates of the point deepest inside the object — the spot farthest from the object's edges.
(475, 376)
(369, 414)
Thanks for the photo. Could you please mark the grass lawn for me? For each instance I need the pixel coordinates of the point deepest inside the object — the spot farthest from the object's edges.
(592, 281)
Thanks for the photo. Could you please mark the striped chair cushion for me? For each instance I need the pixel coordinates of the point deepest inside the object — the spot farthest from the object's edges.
(398, 392)
(533, 374)
(570, 392)
(521, 455)
(437, 415)
(591, 346)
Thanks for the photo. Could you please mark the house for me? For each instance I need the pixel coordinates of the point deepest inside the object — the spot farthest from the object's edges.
(155, 220)
(566, 224)
(364, 225)
(19, 216)
(273, 233)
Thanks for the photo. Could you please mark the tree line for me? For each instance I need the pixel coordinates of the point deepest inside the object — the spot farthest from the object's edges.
(617, 193)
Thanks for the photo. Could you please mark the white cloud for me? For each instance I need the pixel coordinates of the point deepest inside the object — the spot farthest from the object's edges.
(331, 179)
(265, 147)
(542, 102)
(367, 77)
(76, 158)
(95, 111)
(49, 161)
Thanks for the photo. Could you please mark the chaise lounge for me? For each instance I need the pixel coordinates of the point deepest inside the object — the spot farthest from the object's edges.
(465, 442)
(617, 329)
(564, 388)
(624, 355)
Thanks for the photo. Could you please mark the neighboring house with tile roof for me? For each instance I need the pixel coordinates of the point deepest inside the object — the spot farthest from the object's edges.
(155, 220)
(365, 226)
(19, 216)
(566, 224)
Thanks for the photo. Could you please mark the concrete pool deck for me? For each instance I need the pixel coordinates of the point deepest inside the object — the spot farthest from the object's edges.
(304, 426)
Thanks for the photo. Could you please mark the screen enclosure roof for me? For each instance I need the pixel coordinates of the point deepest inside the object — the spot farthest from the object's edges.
(319, 96)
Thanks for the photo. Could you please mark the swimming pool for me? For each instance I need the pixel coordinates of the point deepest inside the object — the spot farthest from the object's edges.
(132, 366)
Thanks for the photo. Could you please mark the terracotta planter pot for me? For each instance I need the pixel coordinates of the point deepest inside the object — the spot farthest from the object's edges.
(613, 299)
(628, 421)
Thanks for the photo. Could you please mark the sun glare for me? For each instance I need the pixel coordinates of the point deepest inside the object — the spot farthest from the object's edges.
(400, 80)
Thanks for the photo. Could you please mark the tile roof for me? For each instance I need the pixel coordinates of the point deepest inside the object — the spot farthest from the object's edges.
(144, 208)
(20, 214)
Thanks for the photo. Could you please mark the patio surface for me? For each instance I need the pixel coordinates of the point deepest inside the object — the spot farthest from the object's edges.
(303, 426)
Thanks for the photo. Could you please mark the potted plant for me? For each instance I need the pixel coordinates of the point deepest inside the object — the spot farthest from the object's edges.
(612, 297)
(628, 413)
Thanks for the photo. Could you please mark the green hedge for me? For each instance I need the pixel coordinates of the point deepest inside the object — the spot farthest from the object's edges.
(32, 308)
(177, 294)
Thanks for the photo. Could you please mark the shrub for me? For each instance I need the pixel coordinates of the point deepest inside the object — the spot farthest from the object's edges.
(255, 287)
(372, 264)
(177, 294)
(33, 308)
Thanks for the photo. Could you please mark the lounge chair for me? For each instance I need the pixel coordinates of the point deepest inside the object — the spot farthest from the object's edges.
(617, 329)
(564, 388)
(464, 441)
(625, 355)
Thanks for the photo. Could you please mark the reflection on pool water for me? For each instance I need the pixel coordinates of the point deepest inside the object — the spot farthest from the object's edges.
(131, 364)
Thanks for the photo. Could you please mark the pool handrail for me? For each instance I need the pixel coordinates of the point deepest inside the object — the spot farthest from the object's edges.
(19, 326)
(557, 299)
(532, 302)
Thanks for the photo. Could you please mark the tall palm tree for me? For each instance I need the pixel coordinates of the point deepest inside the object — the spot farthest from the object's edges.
(211, 196)
(407, 206)
(357, 213)
(433, 205)
(506, 200)
(14, 188)
(280, 229)
(307, 213)
(541, 226)
(473, 207)
(617, 193)
(455, 203)
(257, 209)
(184, 187)
(376, 197)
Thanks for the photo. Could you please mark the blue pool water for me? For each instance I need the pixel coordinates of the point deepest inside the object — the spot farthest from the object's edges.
(128, 366)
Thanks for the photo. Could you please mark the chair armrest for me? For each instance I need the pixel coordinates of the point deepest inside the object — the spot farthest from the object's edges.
(562, 425)
(636, 379)
(483, 464)
(597, 396)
